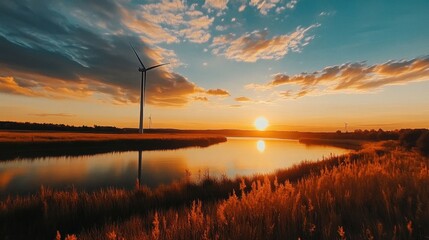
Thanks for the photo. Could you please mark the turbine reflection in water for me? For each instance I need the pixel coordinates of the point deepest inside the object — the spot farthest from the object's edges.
(139, 170)
(260, 145)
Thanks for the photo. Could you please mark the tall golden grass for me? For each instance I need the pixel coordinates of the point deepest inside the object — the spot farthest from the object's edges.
(378, 197)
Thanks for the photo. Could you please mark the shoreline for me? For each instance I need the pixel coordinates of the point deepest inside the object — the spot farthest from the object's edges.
(351, 144)
(34, 144)
(48, 144)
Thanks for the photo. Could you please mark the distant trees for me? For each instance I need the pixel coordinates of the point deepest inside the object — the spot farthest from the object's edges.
(373, 135)
(415, 139)
(5, 125)
(423, 143)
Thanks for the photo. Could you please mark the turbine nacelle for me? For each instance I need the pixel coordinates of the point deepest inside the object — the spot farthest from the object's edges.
(141, 69)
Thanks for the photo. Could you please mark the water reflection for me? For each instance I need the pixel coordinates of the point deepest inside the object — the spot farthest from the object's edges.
(260, 145)
(238, 156)
(139, 170)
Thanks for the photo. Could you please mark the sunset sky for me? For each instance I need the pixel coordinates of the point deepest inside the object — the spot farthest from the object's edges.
(304, 65)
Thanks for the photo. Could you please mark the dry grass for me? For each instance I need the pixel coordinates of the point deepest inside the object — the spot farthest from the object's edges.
(6, 136)
(377, 198)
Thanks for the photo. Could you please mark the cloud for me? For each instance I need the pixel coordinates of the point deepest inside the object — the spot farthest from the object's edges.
(217, 4)
(256, 45)
(291, 4)
(356, 77)
(221, 28)
(264, 6)
(168, 21)
(286, 94)
(326, 13)
(242, 99)
(11, 86)
(203, 99)
(218, 92)
(60, 50)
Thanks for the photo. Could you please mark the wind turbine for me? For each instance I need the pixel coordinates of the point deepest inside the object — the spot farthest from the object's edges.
(143, 70)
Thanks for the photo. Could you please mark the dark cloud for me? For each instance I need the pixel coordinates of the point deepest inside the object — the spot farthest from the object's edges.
(352, 76)
(218, 92)
(75, 48)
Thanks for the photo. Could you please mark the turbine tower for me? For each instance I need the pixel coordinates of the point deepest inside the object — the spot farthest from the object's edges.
(143, 70)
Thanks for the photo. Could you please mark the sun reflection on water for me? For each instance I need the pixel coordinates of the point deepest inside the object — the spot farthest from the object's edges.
(260, 145)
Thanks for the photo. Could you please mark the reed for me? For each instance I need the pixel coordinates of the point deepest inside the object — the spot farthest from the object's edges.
(382, 197)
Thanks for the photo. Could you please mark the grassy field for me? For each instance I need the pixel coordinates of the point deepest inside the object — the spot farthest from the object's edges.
(39, 144)
(378, 193)
(29, 136)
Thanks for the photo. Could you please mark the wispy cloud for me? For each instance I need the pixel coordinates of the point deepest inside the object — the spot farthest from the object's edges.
(242, 99)
(169, 21)
(217, 4)
(357, 77)
(326, 13)
(10, 85)
(199, 98)
(291, 4)
(242, 7)
(257, 45)
(264, 6)
(218, 92)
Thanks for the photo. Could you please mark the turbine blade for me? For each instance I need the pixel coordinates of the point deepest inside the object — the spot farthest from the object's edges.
(159, 65)
(137, 56)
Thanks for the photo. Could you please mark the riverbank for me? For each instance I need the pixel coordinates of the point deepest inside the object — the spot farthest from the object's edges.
(341, 143)
(40, 144)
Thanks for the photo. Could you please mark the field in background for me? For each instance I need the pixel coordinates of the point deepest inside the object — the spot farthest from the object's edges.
(33, 136)
(41, 144)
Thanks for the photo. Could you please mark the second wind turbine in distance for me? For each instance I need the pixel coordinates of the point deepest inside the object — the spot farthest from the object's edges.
(143, 70)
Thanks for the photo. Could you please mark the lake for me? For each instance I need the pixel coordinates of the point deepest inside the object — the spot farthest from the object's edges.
(236, 157)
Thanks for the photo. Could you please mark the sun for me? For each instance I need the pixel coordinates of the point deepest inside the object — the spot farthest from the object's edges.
(261, 123)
